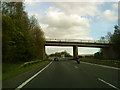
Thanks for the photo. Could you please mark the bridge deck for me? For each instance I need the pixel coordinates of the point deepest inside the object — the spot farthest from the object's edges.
(78, 43)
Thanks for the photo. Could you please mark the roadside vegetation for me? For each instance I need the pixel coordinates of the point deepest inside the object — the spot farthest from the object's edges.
(113, 38)
(59, 54)
(22, 39)
(111, 63)
(13, 69)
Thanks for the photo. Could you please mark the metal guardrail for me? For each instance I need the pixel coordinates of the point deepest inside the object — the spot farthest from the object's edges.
(80, 40)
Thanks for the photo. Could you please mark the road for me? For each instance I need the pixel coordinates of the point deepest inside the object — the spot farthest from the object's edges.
(69, 74)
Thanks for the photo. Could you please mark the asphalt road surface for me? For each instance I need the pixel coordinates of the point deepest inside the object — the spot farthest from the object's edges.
(69, 74)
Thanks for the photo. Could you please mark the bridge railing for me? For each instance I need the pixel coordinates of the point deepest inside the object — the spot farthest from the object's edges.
(80, 40)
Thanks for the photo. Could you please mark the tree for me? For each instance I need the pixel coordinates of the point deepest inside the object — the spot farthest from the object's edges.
(102, 38)
(115, 42)
(8, 44)
(38, 36)
(58, 54)
(108, 36)
(20, 41)
(98, 55)
(115, 39)
(66, 53)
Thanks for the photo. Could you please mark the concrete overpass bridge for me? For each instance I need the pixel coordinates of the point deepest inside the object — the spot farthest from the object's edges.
(75, 43)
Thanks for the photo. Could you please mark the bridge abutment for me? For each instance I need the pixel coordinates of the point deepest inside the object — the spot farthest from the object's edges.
(43, 53)
(75, 51)
(109, 53)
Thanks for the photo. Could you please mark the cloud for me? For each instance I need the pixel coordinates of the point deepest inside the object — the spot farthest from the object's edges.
(87, 50)
(65, 19)
(31, 3)
(58, 24)
(115, 6)
(81, 50)
(70, 0)
(83, 8)
(50, 49)
(110, 15)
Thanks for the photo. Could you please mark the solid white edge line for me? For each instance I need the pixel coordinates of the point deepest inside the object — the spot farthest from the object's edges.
(101, 65)
(108, 83)
(28, 80)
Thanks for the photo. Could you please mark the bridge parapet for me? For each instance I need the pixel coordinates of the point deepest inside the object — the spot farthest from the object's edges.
(80, 40)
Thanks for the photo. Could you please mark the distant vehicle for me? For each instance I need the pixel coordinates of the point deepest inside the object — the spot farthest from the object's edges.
(56, 59)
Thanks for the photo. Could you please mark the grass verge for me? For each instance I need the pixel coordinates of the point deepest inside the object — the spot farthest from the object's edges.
(12, 69)
(102, 62)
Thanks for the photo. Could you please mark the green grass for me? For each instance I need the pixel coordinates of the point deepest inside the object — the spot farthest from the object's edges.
(12, 69)
(107, 63)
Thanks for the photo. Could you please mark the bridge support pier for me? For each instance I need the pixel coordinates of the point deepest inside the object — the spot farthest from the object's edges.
(75, 51)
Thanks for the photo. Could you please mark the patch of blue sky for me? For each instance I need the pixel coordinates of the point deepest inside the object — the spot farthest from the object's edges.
(101, 29)
(100, 26)
(106, 6)
(44, 6)
(38, 7)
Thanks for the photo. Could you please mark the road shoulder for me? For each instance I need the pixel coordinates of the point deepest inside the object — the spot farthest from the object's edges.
(17, 80)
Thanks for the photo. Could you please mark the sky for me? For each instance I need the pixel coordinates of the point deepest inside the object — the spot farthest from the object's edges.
(74, 20)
